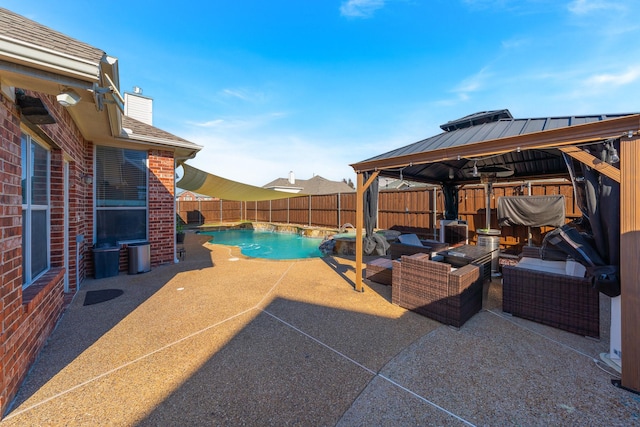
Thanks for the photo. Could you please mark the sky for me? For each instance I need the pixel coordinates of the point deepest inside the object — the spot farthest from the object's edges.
(312, 86)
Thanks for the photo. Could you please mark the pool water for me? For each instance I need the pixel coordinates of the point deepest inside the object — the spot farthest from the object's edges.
(266, 244)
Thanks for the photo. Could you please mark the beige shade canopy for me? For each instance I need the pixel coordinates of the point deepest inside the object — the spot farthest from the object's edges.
(212, 185)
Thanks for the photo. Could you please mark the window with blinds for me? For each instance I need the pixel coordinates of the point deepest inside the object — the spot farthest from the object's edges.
(36, 181)
(120, 179)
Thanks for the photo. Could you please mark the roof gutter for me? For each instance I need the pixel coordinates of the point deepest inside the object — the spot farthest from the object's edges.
(42, 58)
(191, 148)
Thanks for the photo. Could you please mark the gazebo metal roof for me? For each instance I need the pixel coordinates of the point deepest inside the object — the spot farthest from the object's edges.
(461, 134)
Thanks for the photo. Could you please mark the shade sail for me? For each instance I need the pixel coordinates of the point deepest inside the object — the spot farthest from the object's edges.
(211, 185)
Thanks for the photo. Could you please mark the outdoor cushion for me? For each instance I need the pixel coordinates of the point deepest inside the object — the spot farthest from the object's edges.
(410, 239)
(558, 267)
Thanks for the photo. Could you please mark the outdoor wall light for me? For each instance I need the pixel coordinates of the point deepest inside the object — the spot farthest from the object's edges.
(475, 169)
(87, 179)
(613, 155)
(68, 98)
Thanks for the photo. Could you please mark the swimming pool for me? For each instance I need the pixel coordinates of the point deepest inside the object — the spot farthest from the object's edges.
(267, 244)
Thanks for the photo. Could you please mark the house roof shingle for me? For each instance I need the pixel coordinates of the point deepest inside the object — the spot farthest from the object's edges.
(144, 131)
(24, 30)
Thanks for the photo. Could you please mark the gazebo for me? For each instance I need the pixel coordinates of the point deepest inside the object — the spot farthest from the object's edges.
(600, 154)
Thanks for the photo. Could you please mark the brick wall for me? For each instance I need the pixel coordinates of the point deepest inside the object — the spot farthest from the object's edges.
(161, 207)
(28, 316)
(10, 244)
(68, 143)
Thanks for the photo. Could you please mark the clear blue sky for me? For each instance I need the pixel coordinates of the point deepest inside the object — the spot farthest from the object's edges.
(311, 86)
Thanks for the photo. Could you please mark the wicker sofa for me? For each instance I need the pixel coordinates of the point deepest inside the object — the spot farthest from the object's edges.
(554, 299)
(434, 289)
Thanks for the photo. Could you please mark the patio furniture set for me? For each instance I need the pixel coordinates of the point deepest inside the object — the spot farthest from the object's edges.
(446, 283)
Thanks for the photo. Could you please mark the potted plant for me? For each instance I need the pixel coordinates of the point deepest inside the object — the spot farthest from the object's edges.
(179, 231)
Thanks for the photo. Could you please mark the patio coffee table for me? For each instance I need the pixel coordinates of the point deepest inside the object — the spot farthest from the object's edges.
(470, 254)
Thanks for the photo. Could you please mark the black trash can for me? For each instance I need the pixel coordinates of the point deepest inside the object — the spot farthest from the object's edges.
(139, 257)
(106, 260)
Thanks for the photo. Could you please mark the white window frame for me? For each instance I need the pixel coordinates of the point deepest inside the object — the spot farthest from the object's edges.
(96, 208)
(29, 207)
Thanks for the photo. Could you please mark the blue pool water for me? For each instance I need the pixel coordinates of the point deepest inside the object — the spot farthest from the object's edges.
(266, 244)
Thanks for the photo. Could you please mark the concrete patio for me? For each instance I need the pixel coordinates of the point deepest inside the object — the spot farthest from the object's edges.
(219, 339)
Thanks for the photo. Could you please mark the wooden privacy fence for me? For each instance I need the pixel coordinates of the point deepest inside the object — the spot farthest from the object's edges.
(418, 208)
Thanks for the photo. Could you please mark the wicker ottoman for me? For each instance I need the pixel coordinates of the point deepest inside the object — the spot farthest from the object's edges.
(379, 270)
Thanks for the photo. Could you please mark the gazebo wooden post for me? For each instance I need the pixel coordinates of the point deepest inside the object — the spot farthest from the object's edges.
(361, 187)
(629, 266)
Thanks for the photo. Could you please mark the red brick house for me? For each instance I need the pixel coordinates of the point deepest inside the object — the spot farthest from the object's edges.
(75, 172)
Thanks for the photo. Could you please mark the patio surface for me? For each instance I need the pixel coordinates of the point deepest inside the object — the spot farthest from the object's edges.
(219, 339)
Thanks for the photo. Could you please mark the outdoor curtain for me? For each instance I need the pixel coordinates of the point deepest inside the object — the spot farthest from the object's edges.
(450, 192)
(372, 242)
(532, 211)
(598, 197)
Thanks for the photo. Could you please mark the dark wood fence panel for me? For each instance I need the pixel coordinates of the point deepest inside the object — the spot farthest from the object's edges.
(324, 210)
(347, 209)
(414, 208)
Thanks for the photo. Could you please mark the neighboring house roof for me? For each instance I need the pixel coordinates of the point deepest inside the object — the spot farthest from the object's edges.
(314, 186)
(453, 149)
(35, 57)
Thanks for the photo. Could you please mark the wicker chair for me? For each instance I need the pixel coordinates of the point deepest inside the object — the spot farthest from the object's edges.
(432, 289)
(564, 302)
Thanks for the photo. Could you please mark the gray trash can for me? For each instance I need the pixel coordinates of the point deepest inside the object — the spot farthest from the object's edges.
(139, 257)
(106, 260)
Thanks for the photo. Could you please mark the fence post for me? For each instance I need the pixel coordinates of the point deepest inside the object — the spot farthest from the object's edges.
(288, 210)
(220, 211)
(338, 226)
(309, 210)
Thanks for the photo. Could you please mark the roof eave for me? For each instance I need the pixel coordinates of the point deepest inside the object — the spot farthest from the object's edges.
(183, 150)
